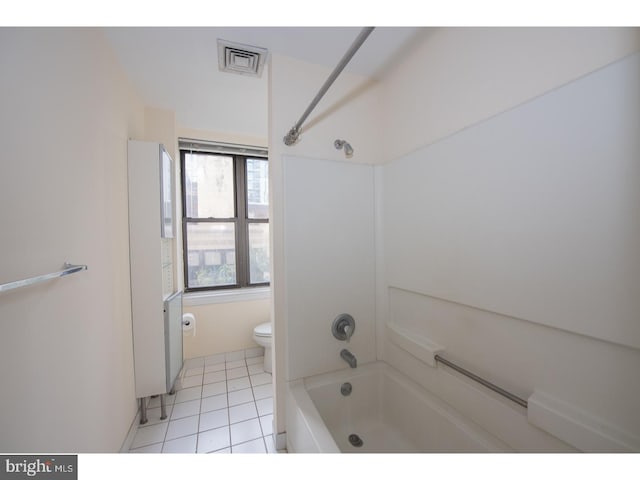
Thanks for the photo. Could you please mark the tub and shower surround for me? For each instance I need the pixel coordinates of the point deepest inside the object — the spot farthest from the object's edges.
(329, 267)
(510, 266)
(330, 262)
(507, 238)
(523, 263)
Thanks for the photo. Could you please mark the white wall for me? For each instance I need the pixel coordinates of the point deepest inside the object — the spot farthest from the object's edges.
(543, 190)
(514, 242)
(329, 262)
(225, 137)
(160, 126)
(350, 111)
(66, 361)
(224, 327)
(456, 77)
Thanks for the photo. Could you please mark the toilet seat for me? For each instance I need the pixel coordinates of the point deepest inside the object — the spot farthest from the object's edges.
(263, 330)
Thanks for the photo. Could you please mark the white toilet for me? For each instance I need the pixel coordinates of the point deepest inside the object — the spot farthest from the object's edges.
(262, 336)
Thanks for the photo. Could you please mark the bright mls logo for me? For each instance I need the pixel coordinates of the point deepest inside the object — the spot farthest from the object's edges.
(16, 467)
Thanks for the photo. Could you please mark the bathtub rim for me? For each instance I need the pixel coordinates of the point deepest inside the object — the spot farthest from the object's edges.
(306, 410)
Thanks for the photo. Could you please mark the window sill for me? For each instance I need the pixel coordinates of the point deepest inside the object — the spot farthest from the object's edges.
(226, 296)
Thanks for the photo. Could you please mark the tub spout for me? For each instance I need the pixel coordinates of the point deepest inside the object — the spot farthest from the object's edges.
(348, 357)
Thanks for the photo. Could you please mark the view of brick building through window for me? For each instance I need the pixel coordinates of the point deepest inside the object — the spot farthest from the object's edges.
(226, 218)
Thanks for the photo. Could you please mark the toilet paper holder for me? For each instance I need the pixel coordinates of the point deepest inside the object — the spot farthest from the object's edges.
(188, 323)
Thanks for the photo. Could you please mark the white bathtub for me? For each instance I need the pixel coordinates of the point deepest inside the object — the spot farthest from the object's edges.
(389, 413)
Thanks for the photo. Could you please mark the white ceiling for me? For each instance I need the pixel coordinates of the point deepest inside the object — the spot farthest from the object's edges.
(176, 68)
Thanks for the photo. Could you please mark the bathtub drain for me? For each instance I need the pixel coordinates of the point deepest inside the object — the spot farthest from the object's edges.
(355, 440)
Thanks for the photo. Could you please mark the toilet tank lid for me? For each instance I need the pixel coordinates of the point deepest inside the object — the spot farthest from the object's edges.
(264, 329)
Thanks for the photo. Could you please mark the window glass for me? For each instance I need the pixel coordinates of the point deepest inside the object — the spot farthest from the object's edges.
(211, 254)
(209, 186)
(258, 252)
(257, 188)
(226, 220)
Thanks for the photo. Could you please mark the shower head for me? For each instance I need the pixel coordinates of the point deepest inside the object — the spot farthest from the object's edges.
(348, 149)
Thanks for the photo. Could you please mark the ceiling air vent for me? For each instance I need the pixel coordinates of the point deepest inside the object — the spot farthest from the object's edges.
(241, 59)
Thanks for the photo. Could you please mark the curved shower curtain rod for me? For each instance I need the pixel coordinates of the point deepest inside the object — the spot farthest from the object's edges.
(292, 137)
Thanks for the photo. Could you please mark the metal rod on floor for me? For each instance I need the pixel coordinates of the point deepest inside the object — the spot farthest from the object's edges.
(163, 407)
(143, 411)
(292, 137)
(482, 381)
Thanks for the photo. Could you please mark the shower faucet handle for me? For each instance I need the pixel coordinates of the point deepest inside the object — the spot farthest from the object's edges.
(343, 327)
(348, 331)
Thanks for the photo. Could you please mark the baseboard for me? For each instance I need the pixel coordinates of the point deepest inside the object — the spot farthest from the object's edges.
(280, 440)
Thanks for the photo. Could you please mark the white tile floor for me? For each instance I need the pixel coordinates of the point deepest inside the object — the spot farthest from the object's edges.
(223, 404)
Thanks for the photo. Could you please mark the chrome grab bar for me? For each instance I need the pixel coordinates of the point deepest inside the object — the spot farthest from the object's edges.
(68, 269)
(482, 381)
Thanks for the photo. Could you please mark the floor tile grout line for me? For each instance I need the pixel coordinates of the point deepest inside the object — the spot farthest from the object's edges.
(200, 408)
(254, 402)
(259, 422)
(228, 408)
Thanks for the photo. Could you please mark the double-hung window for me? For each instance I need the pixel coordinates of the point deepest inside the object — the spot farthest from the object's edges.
(225, 202)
